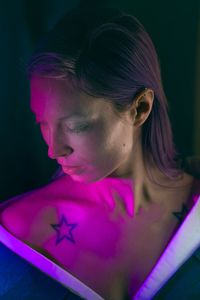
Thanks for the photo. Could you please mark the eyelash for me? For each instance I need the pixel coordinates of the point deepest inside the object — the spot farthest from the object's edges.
(79, 129)
(84, 127)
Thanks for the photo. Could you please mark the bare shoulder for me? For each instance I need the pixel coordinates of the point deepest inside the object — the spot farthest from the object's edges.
(28, 216)
(26, 208)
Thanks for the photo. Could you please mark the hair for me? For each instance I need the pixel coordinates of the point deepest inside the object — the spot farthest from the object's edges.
(108, 53)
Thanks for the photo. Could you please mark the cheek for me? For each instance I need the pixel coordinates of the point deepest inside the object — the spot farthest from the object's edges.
(91, 146)
(120, 139)
(111, 145)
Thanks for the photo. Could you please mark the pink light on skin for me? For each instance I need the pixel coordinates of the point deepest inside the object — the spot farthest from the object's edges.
(72, 171)
(84, 131)
(64, 230)
(101, 148)
(81, 130)
(173, 254)
(98, 234)
(101, 144)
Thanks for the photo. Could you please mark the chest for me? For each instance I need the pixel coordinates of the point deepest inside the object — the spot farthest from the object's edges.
(83, 241)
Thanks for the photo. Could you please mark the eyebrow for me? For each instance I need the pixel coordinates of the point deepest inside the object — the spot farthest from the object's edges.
(74, 115)
(71, 116)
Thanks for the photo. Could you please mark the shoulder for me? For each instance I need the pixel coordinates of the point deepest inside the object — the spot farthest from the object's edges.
(26, 216)
(25, 208)
(44, 193)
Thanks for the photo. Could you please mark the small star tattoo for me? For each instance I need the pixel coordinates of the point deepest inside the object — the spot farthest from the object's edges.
(180, 215)
(64, 230)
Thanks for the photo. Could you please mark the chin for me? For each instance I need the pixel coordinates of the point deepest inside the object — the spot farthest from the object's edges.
(91, 177)
(83, 179)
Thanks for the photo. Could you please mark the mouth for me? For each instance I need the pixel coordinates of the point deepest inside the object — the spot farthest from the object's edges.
(71, 170)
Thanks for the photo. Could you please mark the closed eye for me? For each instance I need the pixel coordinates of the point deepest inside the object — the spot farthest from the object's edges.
(78, 129)
(81, 128)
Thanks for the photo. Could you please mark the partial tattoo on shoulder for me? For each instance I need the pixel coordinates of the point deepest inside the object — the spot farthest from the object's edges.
(180, 215)
(64, 230)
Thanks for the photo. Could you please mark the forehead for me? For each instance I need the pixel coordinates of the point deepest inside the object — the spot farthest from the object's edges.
(51, 91)
(50, 97)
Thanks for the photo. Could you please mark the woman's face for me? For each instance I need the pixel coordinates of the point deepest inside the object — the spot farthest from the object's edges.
(81, 130)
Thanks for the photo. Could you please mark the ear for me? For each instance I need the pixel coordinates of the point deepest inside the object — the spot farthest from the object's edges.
(142, 106)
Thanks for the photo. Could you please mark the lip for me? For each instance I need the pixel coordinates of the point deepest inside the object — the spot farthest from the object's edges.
(67, 166)
(70, 167)
(71, 170)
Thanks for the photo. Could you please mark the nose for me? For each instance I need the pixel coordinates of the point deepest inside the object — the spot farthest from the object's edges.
(58, 148)
(55, 154)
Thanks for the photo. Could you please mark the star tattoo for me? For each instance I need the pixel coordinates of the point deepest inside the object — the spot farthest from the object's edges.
(64, 230)
(180, 215)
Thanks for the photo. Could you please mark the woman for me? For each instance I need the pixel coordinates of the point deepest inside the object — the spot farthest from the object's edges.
(114, 216)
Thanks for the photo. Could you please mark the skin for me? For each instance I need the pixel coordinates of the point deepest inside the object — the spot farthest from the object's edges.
(109, 147)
